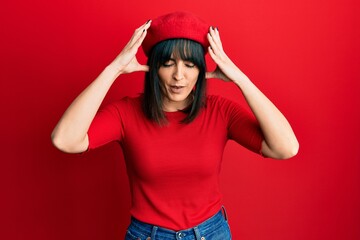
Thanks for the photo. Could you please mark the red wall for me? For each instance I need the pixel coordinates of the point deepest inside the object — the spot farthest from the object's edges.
(304, 55)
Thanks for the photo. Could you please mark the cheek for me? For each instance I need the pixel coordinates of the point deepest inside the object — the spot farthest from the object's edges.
(164, 76)
(193, 83)
(161, 80)
(194, 78)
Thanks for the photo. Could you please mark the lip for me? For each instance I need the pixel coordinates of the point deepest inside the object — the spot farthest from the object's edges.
(176, 89)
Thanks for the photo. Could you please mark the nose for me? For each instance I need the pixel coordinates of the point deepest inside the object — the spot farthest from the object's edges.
(178, 72)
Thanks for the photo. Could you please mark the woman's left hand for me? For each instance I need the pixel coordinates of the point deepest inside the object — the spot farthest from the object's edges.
(279, 139)
(225, 70)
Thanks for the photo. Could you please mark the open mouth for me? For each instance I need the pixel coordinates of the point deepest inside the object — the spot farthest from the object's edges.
(176, 89)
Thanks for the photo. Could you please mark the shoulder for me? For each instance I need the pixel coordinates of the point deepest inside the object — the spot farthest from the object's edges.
(125, 106)
(226, 107)
(127, 102)
(217, 100)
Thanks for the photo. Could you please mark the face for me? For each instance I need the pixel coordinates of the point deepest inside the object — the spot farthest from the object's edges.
(178, 78)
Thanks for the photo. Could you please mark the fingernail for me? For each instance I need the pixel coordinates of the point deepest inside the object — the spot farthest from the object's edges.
(147, 21)
(143, 30)
(212, 27)
(217, 29)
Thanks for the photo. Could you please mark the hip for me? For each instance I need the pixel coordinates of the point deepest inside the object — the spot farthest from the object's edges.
(214, 228)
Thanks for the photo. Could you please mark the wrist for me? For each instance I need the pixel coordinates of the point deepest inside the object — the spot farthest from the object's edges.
(115, 69)
(240, 79)
(111, 73)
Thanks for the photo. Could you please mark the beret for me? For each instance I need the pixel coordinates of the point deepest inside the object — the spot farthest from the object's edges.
(176, 25)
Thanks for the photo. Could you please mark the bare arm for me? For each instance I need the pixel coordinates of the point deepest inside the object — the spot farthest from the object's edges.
(70, 134)
(279, 139)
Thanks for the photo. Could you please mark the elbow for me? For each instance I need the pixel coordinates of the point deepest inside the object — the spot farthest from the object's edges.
(59, 143)
(281, 151)
(64, 145)
(289, 151)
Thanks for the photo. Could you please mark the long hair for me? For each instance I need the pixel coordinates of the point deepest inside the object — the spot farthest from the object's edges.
(187, 50)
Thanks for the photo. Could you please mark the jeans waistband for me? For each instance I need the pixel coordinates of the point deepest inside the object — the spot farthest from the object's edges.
(208, 225)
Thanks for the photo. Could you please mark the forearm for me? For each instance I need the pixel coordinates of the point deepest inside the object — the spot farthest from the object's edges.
(70, 134)
(279, 139)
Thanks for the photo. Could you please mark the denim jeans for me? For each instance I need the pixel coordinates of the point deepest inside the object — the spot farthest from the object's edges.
(215, 228)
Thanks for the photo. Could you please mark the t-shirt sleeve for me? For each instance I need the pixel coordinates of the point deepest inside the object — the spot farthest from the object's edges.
(242, 126)
(107, 126)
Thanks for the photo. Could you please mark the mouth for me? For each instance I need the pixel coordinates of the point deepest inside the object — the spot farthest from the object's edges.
(176, 89)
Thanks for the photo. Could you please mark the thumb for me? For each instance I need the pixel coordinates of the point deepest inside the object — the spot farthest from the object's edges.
(144, 68)
(210, 75)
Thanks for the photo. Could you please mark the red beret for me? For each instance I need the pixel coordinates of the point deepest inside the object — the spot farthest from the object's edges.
(176, 25)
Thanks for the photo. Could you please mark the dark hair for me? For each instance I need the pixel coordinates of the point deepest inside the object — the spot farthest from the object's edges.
(153, 100)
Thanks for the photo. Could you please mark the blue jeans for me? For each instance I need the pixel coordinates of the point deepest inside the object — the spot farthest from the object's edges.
(215, 228)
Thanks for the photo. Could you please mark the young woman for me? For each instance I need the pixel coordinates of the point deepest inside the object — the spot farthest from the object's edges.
(173, 135)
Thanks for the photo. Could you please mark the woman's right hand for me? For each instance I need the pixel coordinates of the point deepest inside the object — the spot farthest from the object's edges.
(126, 61)
(70, 134)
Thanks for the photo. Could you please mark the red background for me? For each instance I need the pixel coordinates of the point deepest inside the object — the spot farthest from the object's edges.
(304, 55)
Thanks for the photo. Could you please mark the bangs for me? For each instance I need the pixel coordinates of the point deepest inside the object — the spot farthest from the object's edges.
(185, 49)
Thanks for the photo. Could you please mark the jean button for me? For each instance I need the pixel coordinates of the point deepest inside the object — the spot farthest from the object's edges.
(180, 235)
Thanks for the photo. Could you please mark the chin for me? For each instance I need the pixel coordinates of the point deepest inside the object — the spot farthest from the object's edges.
(177, 98)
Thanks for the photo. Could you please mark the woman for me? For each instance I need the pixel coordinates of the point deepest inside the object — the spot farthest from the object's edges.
(173, 135)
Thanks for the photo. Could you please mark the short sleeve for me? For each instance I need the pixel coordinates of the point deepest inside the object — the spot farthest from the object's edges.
(242, 126)
(107, 126)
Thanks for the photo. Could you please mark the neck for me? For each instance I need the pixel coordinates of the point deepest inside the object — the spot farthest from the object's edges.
(169, 106)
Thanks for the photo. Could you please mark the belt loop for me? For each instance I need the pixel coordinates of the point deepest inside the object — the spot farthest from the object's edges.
(197, 233)
(224, 213)
(153, 232)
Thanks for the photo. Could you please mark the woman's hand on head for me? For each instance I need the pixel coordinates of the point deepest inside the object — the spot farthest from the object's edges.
(225, 70)
(126, 61)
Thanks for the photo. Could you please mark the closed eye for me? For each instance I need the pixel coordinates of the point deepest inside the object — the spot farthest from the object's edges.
(168, 63)
(172, 62)
(189, 64)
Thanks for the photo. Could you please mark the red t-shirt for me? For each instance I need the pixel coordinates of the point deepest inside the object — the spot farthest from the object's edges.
(174, 170)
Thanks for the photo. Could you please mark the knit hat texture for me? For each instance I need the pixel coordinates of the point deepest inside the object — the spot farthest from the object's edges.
(176, 25)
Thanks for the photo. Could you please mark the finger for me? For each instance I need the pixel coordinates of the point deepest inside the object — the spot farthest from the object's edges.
(212, 54)
(214, 49)
(144, 68)
(143, 32)
(213, 44)
(139, 41)
(215, 37)
(144, 25)
(138, 33)
(140, 30)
